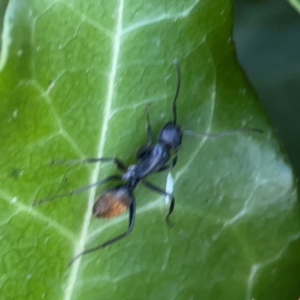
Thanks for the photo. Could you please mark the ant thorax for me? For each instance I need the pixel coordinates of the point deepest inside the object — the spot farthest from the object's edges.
(129, 173)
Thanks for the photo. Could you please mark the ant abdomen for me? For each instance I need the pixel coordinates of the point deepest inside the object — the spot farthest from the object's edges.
(171, 135)
(112, 203)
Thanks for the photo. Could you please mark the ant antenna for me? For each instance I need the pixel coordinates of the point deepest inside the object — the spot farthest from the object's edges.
(177, 91)
(222, 134)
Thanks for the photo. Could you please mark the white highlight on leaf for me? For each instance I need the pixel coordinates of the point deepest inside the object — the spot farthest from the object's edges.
(14, 200)
(15, 113)
(160, 18)
(169, 187)
(102, 139)
(6, 33)
(166, 259)
(51, 86)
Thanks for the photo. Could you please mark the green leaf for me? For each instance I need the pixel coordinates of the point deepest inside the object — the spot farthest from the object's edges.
(75, 80)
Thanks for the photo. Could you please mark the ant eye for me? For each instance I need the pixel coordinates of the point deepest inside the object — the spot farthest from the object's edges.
(112, 203)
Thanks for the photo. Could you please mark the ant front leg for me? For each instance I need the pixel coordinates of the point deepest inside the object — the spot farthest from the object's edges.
(115, 160)
(155, 188)
(142, 152)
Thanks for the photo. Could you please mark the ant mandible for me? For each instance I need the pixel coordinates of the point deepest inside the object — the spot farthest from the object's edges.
(151, 158)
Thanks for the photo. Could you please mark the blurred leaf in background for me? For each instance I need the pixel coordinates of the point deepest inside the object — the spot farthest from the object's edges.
(295, 4)
(267, 35)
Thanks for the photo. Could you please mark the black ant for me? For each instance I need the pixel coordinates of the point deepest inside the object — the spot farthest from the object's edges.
(151, 158)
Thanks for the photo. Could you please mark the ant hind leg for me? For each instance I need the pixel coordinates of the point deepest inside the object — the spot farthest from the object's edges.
(117, 238)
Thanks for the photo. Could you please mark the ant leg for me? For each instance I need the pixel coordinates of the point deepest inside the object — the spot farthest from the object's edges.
(149, 128)
(155, 188)
(117, 238)
(51, 198)
(145, 148)
(115, 160)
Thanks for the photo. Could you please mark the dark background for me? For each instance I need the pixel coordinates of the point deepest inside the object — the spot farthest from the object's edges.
(267, 37)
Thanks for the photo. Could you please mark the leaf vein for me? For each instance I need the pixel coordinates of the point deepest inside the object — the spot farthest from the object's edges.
(39, 216)
(86, 19)
(160, 18)
(116, 47)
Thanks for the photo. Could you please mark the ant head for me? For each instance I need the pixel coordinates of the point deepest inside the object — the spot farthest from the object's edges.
(171, 135)
(112, 202)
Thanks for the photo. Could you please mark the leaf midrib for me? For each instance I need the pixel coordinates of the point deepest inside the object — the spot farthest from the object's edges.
(116, 40)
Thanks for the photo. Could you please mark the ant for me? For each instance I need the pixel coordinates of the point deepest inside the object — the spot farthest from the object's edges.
(151, 158)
